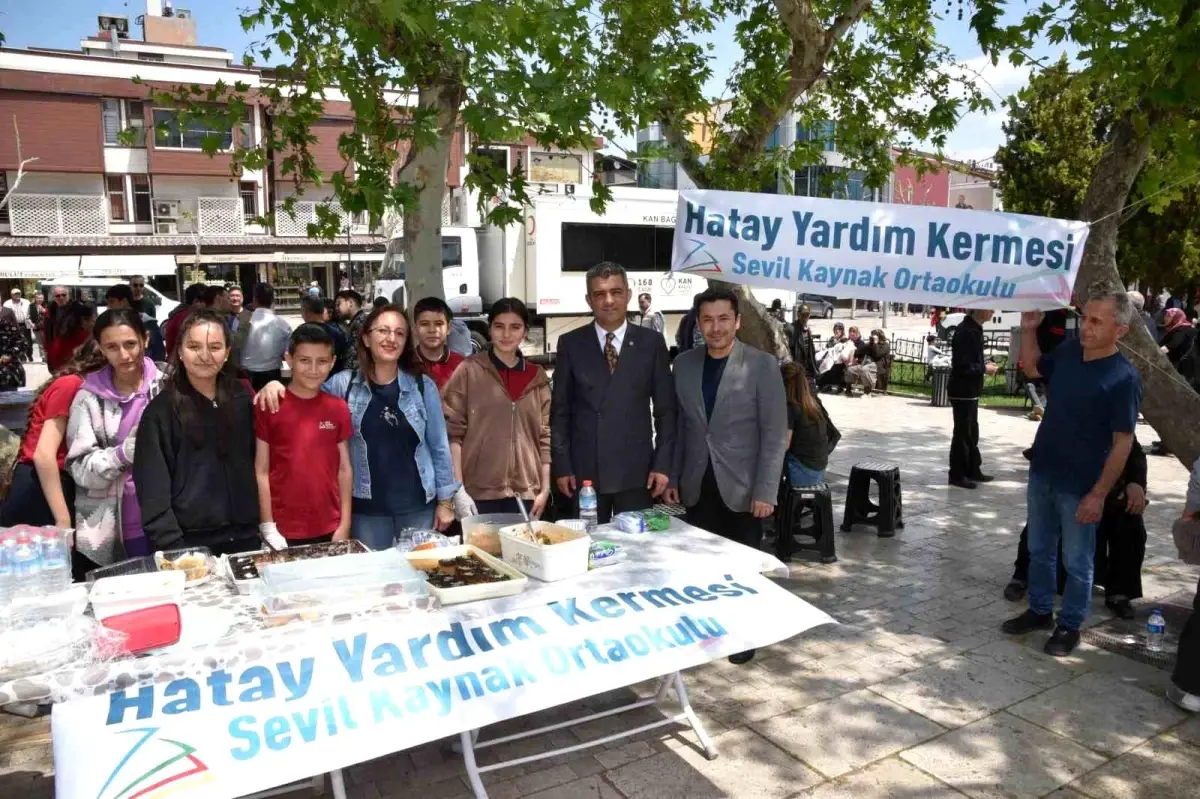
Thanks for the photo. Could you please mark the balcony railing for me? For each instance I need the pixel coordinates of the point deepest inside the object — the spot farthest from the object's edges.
(306, 214)
(221, 216)
(58, 215)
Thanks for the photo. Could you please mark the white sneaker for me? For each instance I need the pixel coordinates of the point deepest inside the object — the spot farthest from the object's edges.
(1189, 702)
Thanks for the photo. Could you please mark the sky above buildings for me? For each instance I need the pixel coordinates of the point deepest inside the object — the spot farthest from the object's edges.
(63, 23)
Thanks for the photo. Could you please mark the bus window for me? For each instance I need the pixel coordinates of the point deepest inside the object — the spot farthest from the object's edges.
(638, 248)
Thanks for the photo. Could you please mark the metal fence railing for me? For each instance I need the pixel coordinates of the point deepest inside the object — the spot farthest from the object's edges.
(911, 370)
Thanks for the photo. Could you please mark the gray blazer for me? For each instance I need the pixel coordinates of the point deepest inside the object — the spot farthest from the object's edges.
(747, 436)
(600, 428)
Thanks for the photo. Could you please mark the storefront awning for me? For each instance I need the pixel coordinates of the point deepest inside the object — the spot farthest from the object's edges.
(276, 257)
(127, 265)
(33, 267)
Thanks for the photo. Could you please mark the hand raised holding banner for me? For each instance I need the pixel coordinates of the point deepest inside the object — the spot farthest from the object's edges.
(1031, 319)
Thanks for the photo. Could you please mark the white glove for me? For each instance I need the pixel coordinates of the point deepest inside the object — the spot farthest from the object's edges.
(464, 506)
(127, 446)
(270, 535)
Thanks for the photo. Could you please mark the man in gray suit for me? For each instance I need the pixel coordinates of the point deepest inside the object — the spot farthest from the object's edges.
(606, 376)
(732, 427)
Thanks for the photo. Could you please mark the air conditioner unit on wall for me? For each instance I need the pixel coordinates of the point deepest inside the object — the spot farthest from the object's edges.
(166, 228)
(166, 209)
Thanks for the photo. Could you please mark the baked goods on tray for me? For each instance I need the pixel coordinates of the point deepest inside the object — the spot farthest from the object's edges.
(459, 571)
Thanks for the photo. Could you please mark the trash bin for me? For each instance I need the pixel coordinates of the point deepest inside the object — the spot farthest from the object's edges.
(941, 388)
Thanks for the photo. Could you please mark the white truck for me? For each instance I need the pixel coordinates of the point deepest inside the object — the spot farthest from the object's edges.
(543, 261)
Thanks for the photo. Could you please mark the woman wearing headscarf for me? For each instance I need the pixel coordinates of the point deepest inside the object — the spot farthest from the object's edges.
(1178, 335)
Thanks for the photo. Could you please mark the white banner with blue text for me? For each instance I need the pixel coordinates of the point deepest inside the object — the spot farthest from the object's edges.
(879, 251)
(344, 695)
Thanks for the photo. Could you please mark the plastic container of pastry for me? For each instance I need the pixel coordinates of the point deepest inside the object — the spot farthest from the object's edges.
(510, 580)
(196, 563)
(560, 553)
(344, 584)
(243, 569)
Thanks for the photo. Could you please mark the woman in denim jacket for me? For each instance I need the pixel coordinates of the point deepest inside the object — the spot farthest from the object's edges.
(403, 474)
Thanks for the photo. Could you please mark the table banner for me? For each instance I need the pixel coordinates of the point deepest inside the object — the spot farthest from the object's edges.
(360, 693)
(879, 251)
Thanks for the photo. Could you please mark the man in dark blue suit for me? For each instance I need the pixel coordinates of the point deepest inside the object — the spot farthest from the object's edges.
(607, 376)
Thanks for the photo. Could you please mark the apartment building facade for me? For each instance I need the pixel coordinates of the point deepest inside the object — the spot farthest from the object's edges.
(113, 185)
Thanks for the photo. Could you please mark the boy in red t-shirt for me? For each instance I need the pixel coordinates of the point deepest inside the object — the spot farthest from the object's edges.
(302, 459)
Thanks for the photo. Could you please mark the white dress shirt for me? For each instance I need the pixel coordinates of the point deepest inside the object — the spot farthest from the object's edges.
(20, 309)
(618, 336)
(266, 342)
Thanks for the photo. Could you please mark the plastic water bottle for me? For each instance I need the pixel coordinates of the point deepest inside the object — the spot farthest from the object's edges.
(587, 505)
(26, 565)
(56, 571)
(1156, 630)
(7, 544)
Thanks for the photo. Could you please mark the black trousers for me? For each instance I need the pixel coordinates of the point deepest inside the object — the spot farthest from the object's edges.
(1120, 550)
(965, 460)
(1187, 664)
(836, 376)
(711, 513)
(27, 338)
(607, 505)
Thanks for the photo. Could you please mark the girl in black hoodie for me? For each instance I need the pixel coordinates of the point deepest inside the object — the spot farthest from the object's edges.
(194, 467)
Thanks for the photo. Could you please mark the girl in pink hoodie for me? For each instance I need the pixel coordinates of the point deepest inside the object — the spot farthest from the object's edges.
(101, 431)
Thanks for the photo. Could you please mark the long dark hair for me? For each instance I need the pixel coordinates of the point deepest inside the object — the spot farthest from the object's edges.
(120, 317)
(184, 397)
(366, 362)
(85, 360)
(799, 392)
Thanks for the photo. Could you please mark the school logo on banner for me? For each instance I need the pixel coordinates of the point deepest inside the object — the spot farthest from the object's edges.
(154, 767)
(698, 260)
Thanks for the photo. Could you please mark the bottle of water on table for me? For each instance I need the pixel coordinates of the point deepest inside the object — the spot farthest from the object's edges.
(1156, 630)
(588, 505)
(7, 580)
(56, 567)
(26, 566)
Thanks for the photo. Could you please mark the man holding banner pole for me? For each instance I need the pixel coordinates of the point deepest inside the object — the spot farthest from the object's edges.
(1078, 455)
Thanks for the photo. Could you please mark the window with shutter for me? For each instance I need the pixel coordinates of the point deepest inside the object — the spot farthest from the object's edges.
(112, 121)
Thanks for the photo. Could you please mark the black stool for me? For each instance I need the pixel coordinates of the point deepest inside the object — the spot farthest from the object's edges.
(887, 517)
(792, 501)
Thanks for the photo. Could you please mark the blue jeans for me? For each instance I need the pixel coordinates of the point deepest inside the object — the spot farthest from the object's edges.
(801, 475)
(1051, 515)
(379, 532)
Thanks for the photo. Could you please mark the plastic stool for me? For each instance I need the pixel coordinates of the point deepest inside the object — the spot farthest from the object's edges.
(792, 501)
(888, 516)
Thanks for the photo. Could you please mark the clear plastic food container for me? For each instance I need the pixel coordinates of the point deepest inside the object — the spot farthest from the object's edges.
(559, 554)
(342, 585)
